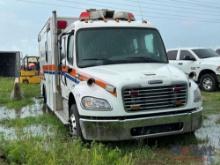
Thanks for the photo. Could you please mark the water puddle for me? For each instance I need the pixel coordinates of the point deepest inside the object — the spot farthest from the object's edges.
(32, 130)
(35, 109)
(8, 133)
(210, 131)
(28, 111)
(207, 151)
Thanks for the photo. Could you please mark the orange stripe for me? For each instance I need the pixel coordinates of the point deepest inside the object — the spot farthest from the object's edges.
(79, 75)
(50, 67)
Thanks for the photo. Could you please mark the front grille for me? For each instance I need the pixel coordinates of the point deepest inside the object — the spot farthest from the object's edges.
(155, 98)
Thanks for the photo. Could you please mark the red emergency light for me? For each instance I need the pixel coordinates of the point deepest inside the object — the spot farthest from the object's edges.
(84, 16)
(61, 24)
(131, 17)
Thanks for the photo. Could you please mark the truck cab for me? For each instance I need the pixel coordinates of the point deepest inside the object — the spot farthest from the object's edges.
(202, 63)
(109, 79)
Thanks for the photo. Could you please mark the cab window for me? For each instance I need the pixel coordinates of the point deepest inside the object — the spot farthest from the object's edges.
(186, 55)
(70, 50)
(63, 48)
(172, 54)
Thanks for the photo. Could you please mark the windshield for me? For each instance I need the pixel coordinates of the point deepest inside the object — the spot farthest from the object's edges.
(104, 46)
(205, 53)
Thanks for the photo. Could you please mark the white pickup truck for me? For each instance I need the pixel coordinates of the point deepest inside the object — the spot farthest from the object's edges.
(201, 63)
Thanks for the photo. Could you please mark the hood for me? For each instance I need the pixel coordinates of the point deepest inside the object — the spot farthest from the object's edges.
(138, 74)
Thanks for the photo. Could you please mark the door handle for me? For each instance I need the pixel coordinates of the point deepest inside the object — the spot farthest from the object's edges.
(180, 63)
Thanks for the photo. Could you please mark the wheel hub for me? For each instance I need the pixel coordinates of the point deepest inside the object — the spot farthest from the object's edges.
(207, 83)
(73, 124)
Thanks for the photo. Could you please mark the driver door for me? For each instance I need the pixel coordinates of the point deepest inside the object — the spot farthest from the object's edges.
(186, 61)
(63, 65)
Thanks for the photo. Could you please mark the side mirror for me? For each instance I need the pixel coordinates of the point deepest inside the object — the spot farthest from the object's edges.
(188, 58)
(192, 75)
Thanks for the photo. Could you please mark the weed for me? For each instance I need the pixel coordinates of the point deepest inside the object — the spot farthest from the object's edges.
(29, 91)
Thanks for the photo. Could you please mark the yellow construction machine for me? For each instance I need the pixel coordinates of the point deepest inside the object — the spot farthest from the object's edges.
(30, 70)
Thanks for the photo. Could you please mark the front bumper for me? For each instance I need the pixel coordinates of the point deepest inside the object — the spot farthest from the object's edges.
(105, 129)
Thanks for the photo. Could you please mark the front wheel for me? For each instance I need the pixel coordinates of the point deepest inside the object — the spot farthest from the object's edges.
(208, 82)
(74, 125)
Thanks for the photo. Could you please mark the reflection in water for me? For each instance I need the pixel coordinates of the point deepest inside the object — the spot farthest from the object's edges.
(208, 147)
(210, 131)
(28, 111)
(32, 130)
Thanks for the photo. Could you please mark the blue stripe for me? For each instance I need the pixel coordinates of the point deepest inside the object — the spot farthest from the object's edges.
(72, 78)
(75, 80)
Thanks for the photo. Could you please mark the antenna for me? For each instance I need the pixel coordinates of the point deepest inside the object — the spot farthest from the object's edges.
(140, 9)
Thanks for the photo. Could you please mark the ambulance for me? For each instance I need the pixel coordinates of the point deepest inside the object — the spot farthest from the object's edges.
(107, 77)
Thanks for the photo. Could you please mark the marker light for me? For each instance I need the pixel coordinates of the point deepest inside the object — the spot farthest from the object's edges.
(61, 24)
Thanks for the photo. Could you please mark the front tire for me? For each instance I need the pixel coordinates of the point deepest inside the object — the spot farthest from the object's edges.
(74, 125)
(208, 82)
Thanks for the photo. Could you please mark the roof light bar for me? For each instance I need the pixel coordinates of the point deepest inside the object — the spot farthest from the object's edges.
(93, 14)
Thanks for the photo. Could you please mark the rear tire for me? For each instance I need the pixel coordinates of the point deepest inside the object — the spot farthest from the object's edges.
(208, 82)
(74, 124)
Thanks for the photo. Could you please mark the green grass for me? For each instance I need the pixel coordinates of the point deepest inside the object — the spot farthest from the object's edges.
(211, 102)
(29, 91)
(60, 149)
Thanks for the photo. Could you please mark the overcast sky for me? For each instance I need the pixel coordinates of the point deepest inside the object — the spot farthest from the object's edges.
(182, 23)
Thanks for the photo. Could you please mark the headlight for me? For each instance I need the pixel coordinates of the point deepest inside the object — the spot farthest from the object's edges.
(92, 103)
(197, 95)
